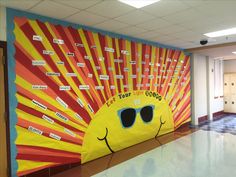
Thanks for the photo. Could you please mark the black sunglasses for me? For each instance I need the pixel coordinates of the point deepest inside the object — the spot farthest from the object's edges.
(128, 115)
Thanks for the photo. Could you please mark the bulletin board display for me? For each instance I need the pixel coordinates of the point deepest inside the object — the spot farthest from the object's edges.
(81, 94)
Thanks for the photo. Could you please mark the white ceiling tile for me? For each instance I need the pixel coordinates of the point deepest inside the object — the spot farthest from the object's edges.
(86, 18)
(165, 7)
(162, 38)
(184, 34)
(170, 29)
(79, 4)
(52, 9)
(218, 9)
(110, 9)
(135, 17)
(187, 15)
(154, 24)
(177, 43)
(111, 25)
(148, 35)
(19, 4)
(193, 3)
(130, 30)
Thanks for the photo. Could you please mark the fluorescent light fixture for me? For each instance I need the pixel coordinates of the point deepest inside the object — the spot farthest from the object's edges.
(138, 3)
(234, 52)
(225, 32)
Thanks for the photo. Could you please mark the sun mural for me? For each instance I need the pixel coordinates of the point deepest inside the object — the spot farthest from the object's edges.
(82, 95)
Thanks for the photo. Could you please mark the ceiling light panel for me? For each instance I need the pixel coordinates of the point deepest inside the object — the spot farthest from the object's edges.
(220, 33)
(138, 3)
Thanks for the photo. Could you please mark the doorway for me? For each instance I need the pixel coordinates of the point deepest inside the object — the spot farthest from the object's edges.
(3, 119)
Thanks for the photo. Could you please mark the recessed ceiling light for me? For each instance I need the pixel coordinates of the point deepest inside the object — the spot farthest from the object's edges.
(234, 52)
(225, 32)
(138, 3)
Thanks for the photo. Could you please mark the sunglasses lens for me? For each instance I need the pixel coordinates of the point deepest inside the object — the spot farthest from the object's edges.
(146, 113)
(128, 117)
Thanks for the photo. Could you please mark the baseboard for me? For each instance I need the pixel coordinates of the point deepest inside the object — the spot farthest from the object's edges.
(218, 115)
(229, 113)
(202, 120)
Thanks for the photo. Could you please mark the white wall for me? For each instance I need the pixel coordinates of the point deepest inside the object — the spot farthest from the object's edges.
(215, 104)
(199, 87)
(3, 24)
(230, 66)
(203, 99)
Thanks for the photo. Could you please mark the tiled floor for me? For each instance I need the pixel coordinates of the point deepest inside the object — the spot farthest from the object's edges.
(208, 152)
(225, 125)
(184, 153)
(201, 154)
(99, 165)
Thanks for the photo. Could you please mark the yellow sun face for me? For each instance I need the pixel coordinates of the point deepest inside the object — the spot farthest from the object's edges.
(125, 120)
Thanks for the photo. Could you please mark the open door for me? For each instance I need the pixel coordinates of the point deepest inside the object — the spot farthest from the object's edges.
(3, 143)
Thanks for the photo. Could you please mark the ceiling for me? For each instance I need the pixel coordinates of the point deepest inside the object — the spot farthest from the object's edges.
(179, 23)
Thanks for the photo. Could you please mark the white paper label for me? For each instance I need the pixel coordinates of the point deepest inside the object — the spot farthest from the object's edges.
(112, 87)
(110, 69)
(101, 58)
(52, 74)
(48, 119)
(90, 108)
(60, 63)
(37, 38)
(132, 62)
(151, 64)
(84, 87)
(146, 55)
(125, 52)
(71, 74)
(61, 102)
(69, 132)
(61, 116)
(38, 63)
(79, 45)
(90, 75)
(80, 102)
(118, 60)
(70, 54)
(99, 87)
(150, 77)
(62, 88)
(87, 57)
(54, 136)
(35, 130)
(104, 77)
(39, 105)
(81, 65)
(78, 116)
(119, 76)
(39, 87)
(48, 52)
(126, 69)
(107, 49)
(58, 41)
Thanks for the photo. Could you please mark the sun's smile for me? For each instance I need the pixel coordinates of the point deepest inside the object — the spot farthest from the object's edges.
(124, 124)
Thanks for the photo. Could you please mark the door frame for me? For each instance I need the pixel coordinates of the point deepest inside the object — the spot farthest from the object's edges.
(3, 45)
